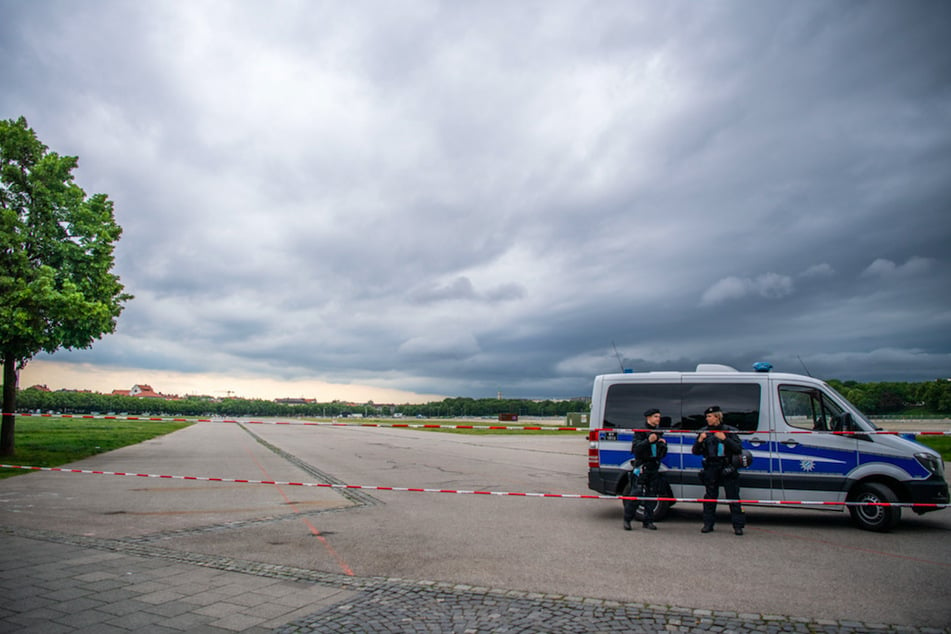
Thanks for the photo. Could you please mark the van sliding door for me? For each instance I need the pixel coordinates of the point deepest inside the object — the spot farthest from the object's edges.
(742, 404)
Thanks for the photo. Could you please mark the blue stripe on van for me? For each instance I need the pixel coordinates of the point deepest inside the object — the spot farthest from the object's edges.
(911, 466)
(789, 460)
(799, 459)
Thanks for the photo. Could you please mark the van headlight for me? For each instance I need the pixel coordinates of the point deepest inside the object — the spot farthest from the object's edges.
(932, 463)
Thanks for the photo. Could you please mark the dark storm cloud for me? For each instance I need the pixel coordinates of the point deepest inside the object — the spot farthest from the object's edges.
(465, 198)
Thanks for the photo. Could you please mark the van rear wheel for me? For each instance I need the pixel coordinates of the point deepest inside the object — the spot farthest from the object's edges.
(875, 518)
(661, 507)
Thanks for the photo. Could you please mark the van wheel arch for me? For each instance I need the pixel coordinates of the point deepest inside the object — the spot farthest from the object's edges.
(879, 519)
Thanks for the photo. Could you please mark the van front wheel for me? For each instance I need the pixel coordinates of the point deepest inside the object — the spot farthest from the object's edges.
(875, 518)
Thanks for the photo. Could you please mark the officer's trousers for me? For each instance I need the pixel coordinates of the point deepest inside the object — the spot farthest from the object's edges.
(713, 478)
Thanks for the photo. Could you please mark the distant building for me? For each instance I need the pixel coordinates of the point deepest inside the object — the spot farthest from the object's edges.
(295, 401)
(143, 391)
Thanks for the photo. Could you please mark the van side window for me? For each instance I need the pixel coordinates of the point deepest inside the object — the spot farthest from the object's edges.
(808, 408)
(626, 403)
(739, 402)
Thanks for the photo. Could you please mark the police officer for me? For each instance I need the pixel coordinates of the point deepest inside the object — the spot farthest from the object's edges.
(718, 443)
(649, 448)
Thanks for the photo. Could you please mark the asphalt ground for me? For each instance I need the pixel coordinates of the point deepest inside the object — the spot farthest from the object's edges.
(82, 552)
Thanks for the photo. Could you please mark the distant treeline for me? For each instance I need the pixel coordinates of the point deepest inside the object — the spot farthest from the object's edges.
(933, 397)
(66, 402)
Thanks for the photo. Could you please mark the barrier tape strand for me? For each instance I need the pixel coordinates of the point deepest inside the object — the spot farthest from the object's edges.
(572, 496)
(335, 423)
(876, 432)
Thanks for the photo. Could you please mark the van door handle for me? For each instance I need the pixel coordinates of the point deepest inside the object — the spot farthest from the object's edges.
(789, 442)
(756, 442)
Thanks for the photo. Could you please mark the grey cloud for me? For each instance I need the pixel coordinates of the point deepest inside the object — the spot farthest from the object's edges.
(462, 288)
(885, 268)
(767, 285)
(460, 198)
(818, 270)
(505, 292)
(448, 344)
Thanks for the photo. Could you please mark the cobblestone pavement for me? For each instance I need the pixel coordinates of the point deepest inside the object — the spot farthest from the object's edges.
(418, 608)
(52, 582)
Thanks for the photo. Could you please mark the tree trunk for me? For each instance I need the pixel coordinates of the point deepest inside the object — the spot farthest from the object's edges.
(9, 406)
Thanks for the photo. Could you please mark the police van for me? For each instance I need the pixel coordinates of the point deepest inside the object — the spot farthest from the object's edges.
(808, 442)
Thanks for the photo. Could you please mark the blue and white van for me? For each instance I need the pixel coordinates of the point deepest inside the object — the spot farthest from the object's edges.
(808, 442)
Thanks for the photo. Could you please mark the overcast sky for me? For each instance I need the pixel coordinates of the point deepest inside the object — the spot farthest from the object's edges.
(460, 198)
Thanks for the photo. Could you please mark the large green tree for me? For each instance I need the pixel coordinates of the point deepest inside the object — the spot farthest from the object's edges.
(56, 257)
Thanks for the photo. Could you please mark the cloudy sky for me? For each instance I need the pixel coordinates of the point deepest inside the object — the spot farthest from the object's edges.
(402, 199)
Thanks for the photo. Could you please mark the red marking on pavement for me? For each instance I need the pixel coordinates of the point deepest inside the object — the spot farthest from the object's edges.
(313, 529)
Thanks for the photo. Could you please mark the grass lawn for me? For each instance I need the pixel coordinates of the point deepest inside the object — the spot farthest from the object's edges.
(51, 442)
(941, 444)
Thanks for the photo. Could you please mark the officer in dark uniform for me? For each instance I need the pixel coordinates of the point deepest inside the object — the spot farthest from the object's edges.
(649, 448)
(718, 443)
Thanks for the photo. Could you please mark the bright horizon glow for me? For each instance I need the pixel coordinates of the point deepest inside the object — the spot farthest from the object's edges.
(104, 379)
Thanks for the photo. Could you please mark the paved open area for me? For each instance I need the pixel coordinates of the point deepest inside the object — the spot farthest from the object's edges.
(92, 553)
(52, 582)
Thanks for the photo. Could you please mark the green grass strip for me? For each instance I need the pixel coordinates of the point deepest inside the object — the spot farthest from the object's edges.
(52, 442)
(941, 444)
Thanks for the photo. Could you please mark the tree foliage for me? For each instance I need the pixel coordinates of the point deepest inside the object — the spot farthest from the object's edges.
(56, 259)
(70, 402)
(931, 397)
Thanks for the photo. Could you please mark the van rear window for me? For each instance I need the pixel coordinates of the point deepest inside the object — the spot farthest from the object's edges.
(627, 402)
(682, 405)
(739, 402)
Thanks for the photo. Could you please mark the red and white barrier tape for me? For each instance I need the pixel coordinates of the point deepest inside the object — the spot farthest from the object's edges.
(572, 496)
(336, 423)
(413, 425)
(877, 432)
(91, 416)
